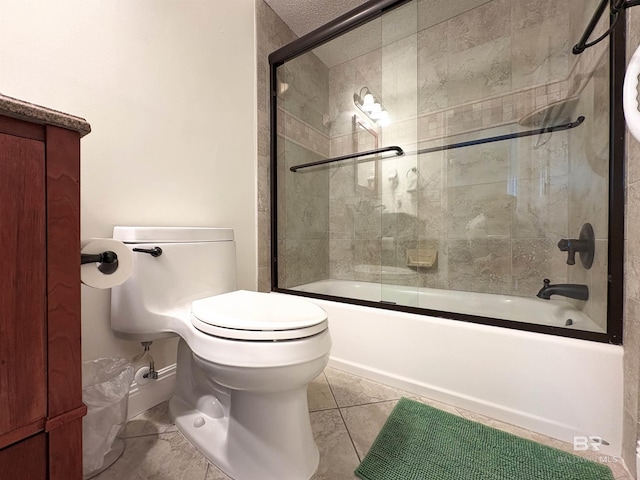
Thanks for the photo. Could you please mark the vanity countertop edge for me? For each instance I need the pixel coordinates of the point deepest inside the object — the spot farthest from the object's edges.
(12, 107)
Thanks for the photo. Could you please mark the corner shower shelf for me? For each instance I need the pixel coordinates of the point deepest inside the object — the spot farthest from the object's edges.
(399, 152)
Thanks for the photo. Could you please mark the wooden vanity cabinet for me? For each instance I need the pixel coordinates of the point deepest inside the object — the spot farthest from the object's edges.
(41, 405)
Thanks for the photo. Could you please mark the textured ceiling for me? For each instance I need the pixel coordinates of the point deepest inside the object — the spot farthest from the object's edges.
(303, 16)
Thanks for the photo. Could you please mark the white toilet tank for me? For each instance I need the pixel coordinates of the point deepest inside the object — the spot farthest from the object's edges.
(194, 263)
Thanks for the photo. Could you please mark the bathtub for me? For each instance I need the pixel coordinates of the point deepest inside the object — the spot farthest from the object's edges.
(557, 386)
(555, 312)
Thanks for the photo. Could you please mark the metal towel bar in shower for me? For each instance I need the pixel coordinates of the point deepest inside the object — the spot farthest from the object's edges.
(499, 138)
(398, 150)
(451, 146)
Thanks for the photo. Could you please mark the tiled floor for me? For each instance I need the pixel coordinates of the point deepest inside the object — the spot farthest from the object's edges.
(347, 412)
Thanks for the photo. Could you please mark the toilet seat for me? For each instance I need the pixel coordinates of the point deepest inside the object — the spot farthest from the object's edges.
(245, 315)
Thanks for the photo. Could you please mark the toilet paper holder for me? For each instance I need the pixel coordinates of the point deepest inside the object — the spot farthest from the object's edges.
(108, 261)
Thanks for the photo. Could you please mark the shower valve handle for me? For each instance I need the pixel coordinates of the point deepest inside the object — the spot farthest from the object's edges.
(154, 252)
(572, 246)
(584, 245)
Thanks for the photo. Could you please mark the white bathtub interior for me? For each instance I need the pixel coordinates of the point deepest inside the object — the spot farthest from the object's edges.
(555, 312)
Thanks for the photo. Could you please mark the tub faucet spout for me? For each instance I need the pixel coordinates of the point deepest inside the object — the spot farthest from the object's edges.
(570, 290)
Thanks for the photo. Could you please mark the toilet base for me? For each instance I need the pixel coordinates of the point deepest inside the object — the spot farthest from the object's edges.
(248, 434)
(261, 447)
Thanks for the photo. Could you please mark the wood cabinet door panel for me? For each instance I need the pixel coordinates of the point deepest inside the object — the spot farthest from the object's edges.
(22, 282)
(26, 460)
(64, 375)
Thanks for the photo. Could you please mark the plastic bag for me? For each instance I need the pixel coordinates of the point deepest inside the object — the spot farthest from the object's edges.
(105, 392)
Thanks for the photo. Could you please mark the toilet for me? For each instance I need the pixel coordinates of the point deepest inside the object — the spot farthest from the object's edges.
(244, 359)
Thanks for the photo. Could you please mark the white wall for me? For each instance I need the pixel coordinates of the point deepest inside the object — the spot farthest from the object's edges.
(168, 87)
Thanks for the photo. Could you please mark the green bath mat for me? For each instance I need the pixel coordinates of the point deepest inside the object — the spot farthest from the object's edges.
(419, 442)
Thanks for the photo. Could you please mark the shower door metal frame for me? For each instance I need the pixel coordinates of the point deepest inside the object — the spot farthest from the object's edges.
(615, 296)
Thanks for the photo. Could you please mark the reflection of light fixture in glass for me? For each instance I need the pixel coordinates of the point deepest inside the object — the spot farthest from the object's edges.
(367, 102)
(384, 119)
(370, 106)
(282, 88)
(376, 111)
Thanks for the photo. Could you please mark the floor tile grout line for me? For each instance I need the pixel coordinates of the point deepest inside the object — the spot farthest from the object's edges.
(342, 417)
(377, 402)
(323, 409)
(359, 405)
(128, 437)
(346, 427)
(326, 379)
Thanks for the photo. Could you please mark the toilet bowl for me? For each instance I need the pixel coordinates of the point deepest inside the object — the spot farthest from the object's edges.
(244, 359)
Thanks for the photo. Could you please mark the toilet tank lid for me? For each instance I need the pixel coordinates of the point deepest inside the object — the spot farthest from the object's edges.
(171, 234)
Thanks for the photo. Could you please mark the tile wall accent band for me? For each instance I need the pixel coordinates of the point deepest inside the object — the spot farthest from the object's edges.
(466, 118)
(301, 133)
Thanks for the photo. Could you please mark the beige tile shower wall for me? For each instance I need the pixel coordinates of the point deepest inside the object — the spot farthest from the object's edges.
(589, 188)
(303, 215)
(271, 34)
(589, 159)
(302, 133)
(499, 235)
(486, 209)
(303, 237)
(303, 241)
(502, 181)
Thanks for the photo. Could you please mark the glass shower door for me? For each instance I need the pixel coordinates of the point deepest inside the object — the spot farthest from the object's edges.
(403, 253)
(303, 197)
(505, 152)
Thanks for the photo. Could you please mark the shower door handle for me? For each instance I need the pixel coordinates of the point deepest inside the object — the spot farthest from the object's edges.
(399, 152)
